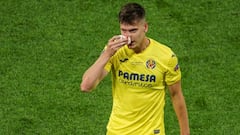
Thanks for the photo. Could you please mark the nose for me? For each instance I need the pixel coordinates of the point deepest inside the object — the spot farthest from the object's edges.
(127, 34)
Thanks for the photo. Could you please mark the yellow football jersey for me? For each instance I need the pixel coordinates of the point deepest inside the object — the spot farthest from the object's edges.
(138, 89)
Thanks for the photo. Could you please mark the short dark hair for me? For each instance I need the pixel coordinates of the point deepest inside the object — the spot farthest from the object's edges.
(130, 13)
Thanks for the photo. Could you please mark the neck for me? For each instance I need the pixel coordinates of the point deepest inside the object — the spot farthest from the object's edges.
(144, 45)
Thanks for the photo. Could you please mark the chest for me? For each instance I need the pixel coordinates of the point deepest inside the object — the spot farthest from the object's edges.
(147, 69)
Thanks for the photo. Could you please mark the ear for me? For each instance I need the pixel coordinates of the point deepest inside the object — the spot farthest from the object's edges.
(145, 27)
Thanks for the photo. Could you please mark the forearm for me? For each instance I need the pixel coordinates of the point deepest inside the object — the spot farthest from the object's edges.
(95, 73)
(181, 112)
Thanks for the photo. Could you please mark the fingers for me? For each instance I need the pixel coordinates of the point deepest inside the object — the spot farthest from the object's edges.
(119, 38)
(115, 43)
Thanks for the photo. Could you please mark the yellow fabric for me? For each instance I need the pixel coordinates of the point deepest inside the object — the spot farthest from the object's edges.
(138, 89)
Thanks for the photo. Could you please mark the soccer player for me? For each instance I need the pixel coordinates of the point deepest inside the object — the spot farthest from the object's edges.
(141, 72)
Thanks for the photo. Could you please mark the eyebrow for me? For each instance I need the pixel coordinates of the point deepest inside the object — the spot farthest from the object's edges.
(133, 29)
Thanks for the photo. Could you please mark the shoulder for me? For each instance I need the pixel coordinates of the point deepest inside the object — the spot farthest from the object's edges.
(164, 54)
(160, 47)
(162, 50)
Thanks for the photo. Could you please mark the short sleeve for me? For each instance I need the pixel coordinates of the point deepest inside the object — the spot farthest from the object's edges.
(108, 66)
(173, 73)
(109, 63)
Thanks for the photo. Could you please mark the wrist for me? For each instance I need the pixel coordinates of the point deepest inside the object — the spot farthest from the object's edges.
(106, 55)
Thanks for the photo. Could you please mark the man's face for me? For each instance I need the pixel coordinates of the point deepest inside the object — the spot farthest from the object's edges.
(136, 32)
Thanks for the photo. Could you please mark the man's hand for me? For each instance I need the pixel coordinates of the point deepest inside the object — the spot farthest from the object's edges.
(115, 43)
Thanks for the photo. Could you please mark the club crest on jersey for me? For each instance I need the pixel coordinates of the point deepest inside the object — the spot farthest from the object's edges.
(150, 64)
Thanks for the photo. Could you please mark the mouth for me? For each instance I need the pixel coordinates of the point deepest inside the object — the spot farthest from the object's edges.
(131, 44)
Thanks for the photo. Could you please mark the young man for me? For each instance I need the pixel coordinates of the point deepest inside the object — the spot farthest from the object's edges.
(141, 70)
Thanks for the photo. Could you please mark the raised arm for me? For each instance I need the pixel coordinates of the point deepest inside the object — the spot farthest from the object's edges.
(96, 72)
(180, 107)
